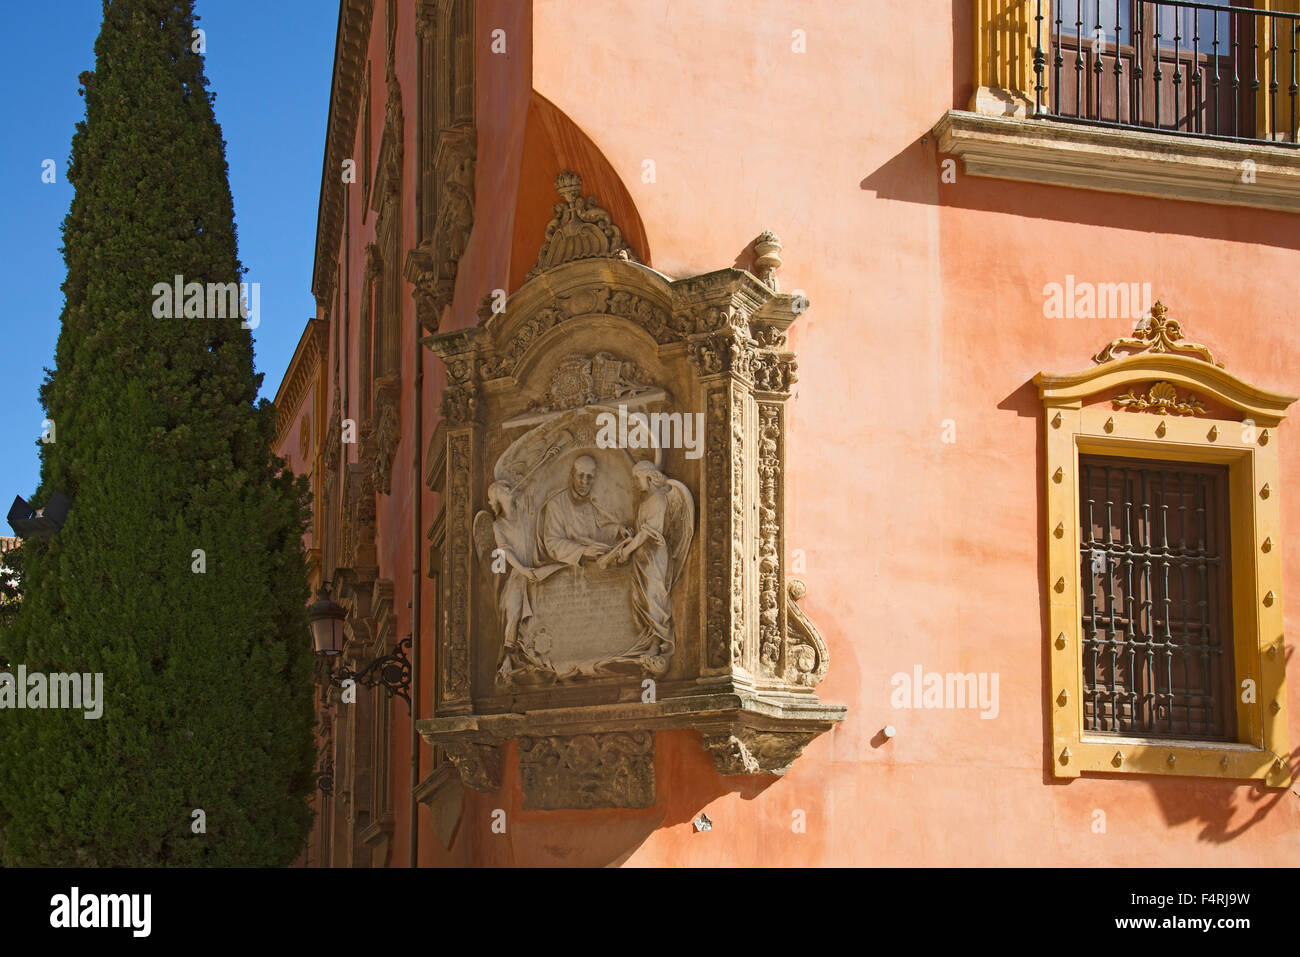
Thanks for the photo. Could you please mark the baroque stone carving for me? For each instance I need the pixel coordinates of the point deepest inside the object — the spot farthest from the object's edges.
(386, 434)
(588, 380)
(455, 648)
(582, 576)
(391, 146)
(1157, 333)
(374, 266)
(769, 555)
(359, 523)
(767, 258)
(460, 395)
(806, 656)
(432, 266)
(586, 578)
(718, 458)
(588, 771)
(580, 229)
(1161, 399)
(746, 751)
(332, 456)
(479, 765)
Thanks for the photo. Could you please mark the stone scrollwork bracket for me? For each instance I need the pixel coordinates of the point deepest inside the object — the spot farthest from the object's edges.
(479, 765)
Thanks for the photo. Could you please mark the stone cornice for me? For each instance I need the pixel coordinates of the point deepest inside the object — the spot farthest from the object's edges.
(1069, 391)
(298, 378)
(352, 41)
(746, 733)
(1136, 161)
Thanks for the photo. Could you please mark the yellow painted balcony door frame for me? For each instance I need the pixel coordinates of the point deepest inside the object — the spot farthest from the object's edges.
(1006, 36)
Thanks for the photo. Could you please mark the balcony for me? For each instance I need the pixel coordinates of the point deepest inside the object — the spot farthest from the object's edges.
(1178, 67)
(1177, 99)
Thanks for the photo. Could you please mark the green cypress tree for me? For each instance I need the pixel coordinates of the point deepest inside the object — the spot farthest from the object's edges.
(164, 449)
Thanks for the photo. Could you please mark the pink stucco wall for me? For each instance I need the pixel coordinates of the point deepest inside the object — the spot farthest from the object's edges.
(927, 306)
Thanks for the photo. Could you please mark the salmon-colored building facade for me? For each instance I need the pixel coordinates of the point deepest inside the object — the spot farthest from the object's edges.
(1002, 285)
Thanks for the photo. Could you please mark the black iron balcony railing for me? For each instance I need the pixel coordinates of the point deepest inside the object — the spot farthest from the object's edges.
(1176, 66)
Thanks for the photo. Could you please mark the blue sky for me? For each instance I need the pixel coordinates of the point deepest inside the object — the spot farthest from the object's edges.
(269, 63)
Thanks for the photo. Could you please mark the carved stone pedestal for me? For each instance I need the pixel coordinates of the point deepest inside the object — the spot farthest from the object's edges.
(603, 755)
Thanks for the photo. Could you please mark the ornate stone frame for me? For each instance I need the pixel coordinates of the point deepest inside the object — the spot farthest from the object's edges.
(448, 151)
(1149, 405)
(377, 739)
(748, 668)
(382, 428)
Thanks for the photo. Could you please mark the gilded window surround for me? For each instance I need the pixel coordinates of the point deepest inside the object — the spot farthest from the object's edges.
(1080, 417)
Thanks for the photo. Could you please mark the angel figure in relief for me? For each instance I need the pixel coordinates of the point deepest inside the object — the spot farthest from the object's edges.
(506, 544)
(665, 522)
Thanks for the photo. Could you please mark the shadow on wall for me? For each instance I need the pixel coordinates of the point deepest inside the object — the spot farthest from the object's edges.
(1025, 403)
(553, 142)
(686, 781)
(1214, 803)
(913, 176)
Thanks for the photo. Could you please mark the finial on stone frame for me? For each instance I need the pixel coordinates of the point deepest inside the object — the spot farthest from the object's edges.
(767, 258)
(581, 229)
(1157, 334)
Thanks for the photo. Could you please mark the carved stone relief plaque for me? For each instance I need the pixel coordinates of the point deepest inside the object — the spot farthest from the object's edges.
(583, 544)
(588, 771)
(611, 461)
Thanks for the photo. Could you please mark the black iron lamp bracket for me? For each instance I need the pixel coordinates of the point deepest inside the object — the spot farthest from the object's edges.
(392, 672)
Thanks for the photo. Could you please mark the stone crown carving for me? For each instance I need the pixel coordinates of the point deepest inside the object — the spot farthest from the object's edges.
(581, 229)
(432, 266)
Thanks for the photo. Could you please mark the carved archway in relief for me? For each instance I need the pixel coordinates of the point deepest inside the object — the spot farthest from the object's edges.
(611, 459)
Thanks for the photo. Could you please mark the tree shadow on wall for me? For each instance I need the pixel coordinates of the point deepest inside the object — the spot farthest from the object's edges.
(1211, 803)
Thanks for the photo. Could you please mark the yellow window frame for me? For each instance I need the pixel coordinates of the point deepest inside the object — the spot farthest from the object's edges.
(1082, 418)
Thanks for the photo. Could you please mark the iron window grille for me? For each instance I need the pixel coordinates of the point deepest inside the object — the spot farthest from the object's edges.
(1156, 606)
(1217, 68)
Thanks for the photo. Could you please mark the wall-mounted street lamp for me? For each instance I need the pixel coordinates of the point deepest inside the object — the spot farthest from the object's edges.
(326, 617)
(391, 671)
(28, 522)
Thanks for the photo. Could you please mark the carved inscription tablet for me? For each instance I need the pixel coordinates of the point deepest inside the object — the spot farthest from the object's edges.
(584, 615)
